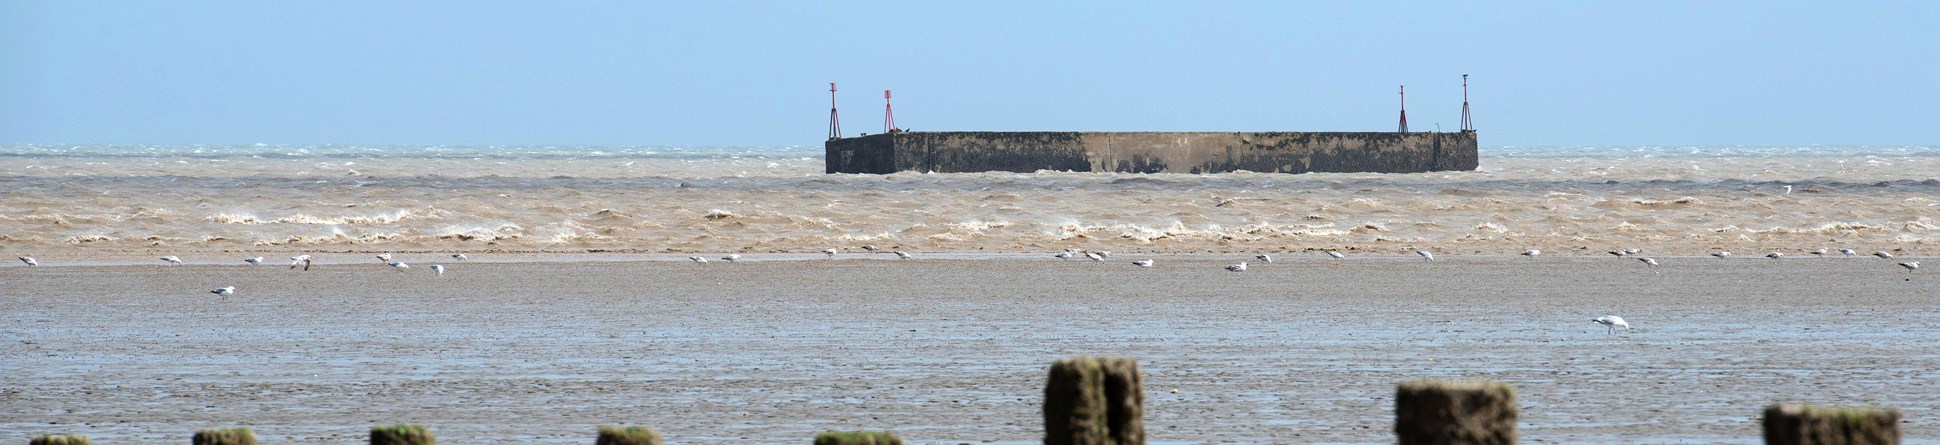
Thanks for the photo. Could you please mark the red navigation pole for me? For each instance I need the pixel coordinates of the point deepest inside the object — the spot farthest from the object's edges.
(1404, 109)
(835, 121)
(888, 115)
(1467, 125)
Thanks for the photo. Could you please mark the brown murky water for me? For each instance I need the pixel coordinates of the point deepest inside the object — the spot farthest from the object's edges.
(542, 349)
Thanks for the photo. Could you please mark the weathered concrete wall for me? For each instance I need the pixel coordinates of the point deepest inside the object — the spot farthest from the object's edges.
(1151, 152)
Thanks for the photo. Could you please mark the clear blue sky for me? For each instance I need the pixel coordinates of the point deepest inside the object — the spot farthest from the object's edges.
(756, 73)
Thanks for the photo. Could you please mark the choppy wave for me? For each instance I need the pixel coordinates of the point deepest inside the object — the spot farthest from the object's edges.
(759, 199)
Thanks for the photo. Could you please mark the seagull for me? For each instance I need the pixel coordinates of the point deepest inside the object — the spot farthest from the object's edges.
(385, 257)
(1848, 251)
(1911, 266)
(829, 252)
(1425, 254)
(1774, 255)
(459, 257)
(697, 259)
(1094, 256)
(1649, 263)
(1618, 253)
(1063, 255)
(172, 260)
(399, 265)
(31, 262)
(1721, 254)
(903, 255)
(227, 291)
(1820, 252)
(1532, 253)
(1883, 254)
(300, 259)
(1142, 263)
(871, 248)
(439, 268)
(1613, 322)
(257, 261)
(1336, 254)
(1241, 267)
(1788, 190)
(1264, 257)
(1632, 251)
(732, 257)
(1104, 254)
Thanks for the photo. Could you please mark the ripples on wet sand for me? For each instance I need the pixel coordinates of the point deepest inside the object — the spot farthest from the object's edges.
(542, 349)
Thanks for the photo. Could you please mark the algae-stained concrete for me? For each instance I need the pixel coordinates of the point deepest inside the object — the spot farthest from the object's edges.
(1153, 152)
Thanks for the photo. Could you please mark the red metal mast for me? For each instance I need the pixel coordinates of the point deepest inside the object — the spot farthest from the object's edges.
(888, 114)
(835, 121)
(1404, 109)
(1467, 125)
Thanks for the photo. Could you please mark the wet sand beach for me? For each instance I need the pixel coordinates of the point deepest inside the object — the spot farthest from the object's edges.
(950, 349)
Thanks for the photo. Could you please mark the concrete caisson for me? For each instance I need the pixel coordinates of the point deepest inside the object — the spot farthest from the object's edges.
(1153, 152)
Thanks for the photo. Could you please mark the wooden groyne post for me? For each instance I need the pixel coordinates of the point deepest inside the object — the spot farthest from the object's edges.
(1438, 412)
(1094, 401)
(1788, 424)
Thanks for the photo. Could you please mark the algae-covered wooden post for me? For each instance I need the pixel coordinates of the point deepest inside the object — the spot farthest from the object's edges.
(1787, 424)
(58, 439)
(632, 435)
(229, 436)
(401, 435)
(1435, 412)
(857, 438)
(1094, 401)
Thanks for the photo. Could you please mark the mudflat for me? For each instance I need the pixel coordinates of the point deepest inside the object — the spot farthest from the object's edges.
(954, 350)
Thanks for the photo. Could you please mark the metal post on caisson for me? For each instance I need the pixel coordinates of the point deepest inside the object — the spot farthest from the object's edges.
(835, 120)
(888, 115)
(1467, 125)
(1404, 109)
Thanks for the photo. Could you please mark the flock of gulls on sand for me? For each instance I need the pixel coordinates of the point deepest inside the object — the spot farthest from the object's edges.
(1612, 322)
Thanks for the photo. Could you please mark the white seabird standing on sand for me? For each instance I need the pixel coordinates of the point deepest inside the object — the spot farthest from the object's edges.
(1848, 251)
(1821, 252)
(697, 259)
(399, 266)
(1911, 266)
(173, 260)
(1883, 255)
(1613, 322)
(31, 262)
(439, 268)
(385, 257)
(1775, 255)
(226, 291)
(1063, 255)
(1094, 256)
(1142, 263)
(1336, 254)
(1532, 253)
(1264, 257)
(1425, 255)
(1721, 254)
(732, 257)
(869, 247)
(300, 259)
(459, 257)
(1650, 263)
(1241, 267)
(257, 261)
(903, 255)
(829, 252)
